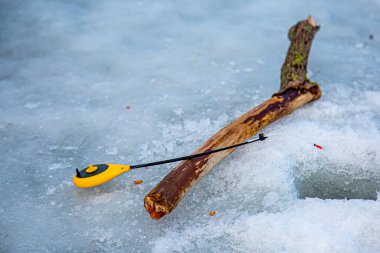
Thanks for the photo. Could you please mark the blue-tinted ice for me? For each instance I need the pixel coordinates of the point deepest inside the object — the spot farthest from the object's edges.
(138, 81)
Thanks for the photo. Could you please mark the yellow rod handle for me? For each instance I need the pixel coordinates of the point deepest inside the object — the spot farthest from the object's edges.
(112, 171)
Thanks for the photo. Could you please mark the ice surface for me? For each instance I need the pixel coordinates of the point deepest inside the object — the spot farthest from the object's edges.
(135, 81)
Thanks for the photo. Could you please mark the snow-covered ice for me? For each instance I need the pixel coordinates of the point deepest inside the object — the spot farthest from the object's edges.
(136, 81)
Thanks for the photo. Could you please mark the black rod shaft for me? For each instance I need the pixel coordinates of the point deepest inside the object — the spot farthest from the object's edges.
(261, 138)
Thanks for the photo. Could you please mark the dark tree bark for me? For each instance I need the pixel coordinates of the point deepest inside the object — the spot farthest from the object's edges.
(295, 91)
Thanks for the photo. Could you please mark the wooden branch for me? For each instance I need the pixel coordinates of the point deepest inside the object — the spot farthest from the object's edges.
(295, 91)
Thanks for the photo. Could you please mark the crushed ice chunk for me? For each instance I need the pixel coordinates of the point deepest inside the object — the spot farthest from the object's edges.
(32, 105)
(71, 148)
(359, 45)
(51, 190)
(55, 166)
(111, 151)
(178, 111)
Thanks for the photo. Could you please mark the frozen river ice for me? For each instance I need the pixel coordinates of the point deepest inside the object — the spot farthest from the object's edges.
(136, 81)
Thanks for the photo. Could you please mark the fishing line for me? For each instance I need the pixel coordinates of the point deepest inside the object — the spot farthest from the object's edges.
(300, 138)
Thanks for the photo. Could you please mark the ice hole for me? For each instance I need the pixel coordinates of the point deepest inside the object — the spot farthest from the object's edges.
(338, 182)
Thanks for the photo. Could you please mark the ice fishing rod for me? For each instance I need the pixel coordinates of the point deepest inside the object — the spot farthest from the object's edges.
(98, 174)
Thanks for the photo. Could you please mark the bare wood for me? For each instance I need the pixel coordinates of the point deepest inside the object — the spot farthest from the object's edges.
(295, 91)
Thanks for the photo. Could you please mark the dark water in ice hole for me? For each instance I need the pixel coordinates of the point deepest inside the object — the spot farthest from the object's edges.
(340, 183)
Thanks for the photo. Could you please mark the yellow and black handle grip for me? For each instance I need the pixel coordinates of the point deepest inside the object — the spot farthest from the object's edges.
(98, 174)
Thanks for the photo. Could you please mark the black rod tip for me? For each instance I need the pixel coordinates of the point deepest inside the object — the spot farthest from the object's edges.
(262, 137)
